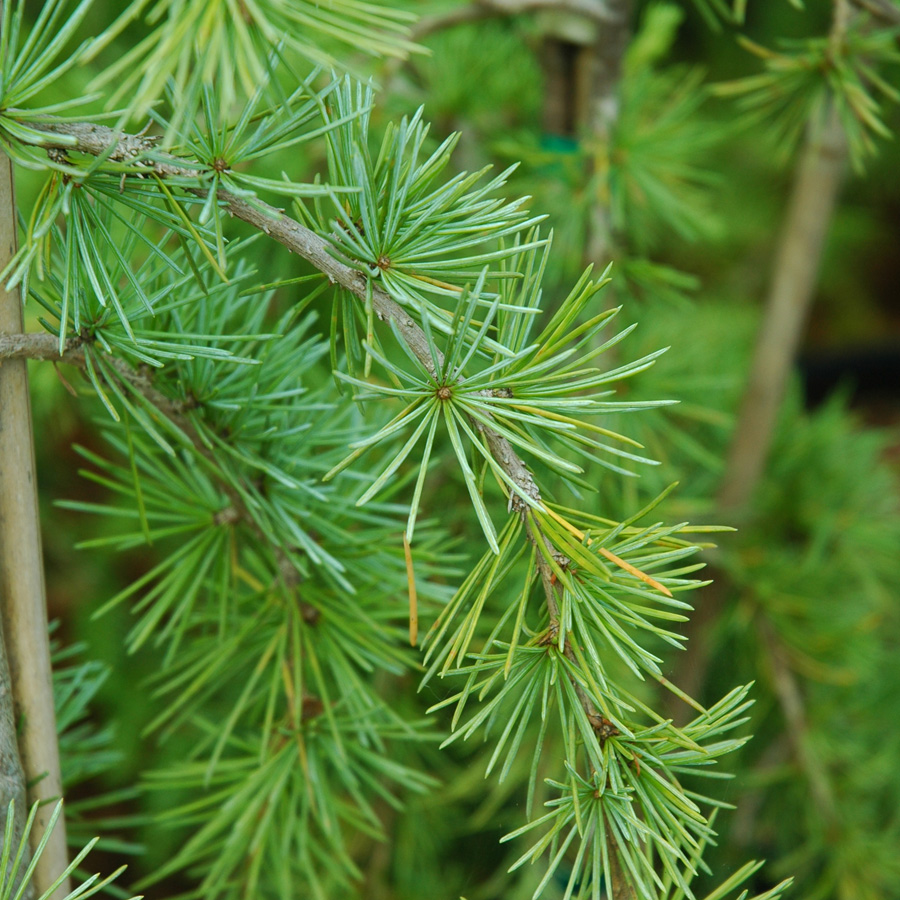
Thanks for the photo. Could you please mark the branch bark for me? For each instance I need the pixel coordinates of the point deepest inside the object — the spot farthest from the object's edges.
(794, 277)
(880, 9)
(489, 9)
(22, 597)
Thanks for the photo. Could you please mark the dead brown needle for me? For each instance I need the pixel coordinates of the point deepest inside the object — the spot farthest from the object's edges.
(621, 563)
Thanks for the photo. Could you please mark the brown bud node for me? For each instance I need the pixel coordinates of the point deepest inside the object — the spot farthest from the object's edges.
(603, 727)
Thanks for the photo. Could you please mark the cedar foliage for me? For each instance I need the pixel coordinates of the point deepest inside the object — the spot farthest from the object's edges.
(436, 412)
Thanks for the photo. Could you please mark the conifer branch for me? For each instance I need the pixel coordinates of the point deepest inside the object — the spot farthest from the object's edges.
(300, 771)
(101, 140)
(131, 149)
(46, 347)
(98, 140)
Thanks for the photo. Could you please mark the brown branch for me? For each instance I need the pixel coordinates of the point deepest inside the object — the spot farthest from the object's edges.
(22, 597)
(881, 9)
(790, 698)
(596, 10)
(41, 346)
(620, 887)
(582, 90)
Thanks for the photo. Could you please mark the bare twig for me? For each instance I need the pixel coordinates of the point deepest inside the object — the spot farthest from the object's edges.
(620, 888)
(40, 346)
(790, 698)
(881, 9)
(22, 598)
(487, 9)
(794, 276)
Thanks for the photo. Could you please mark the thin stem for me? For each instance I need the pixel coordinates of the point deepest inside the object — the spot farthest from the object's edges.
(790, 698)
(620, 888)
(487, 9)
(22, 597)
(794, 278)
(880, 9)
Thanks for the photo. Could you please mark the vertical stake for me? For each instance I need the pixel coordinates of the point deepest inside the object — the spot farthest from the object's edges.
(23, 604)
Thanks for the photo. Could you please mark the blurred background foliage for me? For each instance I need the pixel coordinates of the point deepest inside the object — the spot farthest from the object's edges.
(806, 598)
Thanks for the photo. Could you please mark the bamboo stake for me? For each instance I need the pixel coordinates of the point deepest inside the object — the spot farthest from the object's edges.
(22, 596)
